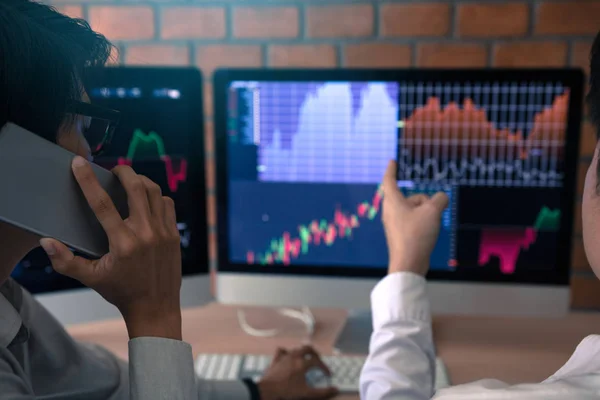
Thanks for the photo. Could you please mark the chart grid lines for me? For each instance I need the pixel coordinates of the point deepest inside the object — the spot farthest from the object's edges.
(327, 131)
(492, 134)
(305, 180)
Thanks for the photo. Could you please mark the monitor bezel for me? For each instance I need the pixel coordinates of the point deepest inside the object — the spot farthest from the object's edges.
(570, 77)
(191, 81)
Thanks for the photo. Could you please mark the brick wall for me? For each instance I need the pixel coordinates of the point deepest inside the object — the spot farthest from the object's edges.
(354, 33)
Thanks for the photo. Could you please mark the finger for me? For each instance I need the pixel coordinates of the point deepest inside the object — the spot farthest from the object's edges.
(155, 198)
(322, 393)
(65, 262)
(417, 199)
(440, 201)
(278, 354)
(137, 199)
(313, 360)
(390, 183)
(170, 216)
(99, 201)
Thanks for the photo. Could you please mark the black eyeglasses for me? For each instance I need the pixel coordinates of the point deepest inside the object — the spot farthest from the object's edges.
(102, 126)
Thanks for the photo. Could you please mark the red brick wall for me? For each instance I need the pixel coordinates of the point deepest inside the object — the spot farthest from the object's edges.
(335, 33)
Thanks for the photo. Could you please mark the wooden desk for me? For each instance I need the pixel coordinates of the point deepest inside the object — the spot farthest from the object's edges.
(214, 329)
(514, 350)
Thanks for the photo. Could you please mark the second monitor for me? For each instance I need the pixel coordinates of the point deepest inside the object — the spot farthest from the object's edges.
(301, 155)
(160, 134)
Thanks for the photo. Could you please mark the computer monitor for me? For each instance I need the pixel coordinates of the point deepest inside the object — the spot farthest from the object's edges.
(161, 136)
(301, 154)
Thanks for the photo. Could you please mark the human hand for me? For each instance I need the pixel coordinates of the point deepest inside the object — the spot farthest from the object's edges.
(286, 377)
(411, 225)
(141, 274)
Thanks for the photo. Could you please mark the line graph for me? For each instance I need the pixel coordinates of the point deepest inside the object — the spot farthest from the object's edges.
(500, 135)
(352, 234)
(507, 243)
(150, 145)
(325, 131)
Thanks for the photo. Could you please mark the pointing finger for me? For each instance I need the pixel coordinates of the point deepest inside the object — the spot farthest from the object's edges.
(390, 183)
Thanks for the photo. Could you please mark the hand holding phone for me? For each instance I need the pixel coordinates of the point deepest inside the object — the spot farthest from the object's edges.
(141, 273)
(41, 195)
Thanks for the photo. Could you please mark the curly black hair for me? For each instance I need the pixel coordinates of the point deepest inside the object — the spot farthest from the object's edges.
(43, 59)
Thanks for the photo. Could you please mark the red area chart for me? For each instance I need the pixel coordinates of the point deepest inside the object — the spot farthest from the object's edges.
(458, 143)
(506, 244)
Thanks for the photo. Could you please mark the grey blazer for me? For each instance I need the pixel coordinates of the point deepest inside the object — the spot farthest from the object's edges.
(39, 360)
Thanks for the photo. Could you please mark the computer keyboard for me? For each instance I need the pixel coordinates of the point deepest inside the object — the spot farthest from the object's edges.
(345, 370)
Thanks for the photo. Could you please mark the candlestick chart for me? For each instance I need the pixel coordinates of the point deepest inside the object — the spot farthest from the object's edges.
(286, 248)
(506, 136)
(318, 224)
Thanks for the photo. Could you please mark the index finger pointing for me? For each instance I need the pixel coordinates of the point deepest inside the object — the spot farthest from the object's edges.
(99, 201)
(390, 181)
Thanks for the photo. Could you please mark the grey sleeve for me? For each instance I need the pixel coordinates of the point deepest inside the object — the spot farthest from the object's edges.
(13, 386)
(222, 390)
(161, 369)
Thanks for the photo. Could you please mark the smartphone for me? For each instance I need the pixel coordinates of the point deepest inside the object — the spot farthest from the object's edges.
(40, 193)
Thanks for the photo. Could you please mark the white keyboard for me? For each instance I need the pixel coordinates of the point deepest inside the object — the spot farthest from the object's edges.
(345, 370)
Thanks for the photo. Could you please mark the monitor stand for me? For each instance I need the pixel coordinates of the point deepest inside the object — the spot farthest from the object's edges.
(354, 337)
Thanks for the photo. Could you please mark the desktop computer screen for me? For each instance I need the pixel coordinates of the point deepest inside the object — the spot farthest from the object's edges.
(301, 155)
(161, 136)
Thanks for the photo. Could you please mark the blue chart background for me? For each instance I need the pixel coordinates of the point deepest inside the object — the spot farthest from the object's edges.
(290, 205)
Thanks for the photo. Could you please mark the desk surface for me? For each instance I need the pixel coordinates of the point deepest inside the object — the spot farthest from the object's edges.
(514, 350)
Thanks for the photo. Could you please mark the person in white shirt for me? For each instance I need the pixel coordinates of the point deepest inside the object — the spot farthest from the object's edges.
(401, 361)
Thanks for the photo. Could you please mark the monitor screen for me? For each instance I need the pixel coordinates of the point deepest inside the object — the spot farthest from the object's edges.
(161, 136)
(302, 154)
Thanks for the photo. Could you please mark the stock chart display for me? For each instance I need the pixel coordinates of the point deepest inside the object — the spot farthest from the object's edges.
(306, 161)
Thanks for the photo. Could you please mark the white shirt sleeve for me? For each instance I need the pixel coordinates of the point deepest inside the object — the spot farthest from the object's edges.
(401, 361)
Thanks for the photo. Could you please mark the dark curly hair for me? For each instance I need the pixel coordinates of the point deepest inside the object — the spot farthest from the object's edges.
(43, 59)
